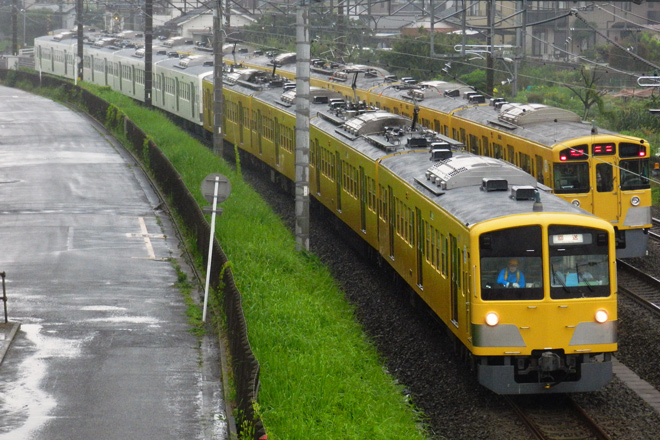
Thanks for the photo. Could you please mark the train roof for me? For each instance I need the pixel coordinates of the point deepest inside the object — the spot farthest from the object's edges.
(184, 67)
(468, 200)
(268, 89)
(472, 188)
(545, 125)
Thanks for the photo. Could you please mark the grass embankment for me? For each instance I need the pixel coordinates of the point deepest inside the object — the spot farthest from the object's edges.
(320, 376)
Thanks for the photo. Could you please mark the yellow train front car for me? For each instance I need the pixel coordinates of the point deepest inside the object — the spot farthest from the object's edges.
(557, 330)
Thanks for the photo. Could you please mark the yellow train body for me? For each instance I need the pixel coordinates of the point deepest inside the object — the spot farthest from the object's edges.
(437, 254)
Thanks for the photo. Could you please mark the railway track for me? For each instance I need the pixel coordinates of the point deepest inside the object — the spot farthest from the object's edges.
(654, 232)
(555, 417)
(640, 286)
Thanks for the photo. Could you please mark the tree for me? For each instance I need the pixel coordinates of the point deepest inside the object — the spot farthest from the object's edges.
(588, 93)
(412, 55)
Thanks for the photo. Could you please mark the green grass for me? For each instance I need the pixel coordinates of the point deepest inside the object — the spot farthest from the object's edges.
(320, 375)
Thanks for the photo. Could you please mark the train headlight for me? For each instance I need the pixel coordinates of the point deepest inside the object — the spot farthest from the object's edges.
(635, 201)
(492, 319)
(601, 316)
(576, 203)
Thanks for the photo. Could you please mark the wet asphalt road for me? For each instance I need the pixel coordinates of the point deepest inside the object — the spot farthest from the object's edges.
(103, 350)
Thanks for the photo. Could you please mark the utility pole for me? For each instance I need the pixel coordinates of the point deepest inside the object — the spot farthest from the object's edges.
(148, 50)
(79, 56)
(218, 42)
(302, 125)
(490, 65)
(14, 28)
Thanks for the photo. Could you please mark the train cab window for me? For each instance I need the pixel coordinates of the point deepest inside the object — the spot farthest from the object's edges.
(634, 174)
(581, 270)
(604, 177)
(571, 178)
(511, 278)
(511, 264)
(579, 262)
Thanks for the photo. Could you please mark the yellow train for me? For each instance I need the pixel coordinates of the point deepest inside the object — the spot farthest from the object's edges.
(603, 172)
(523, 280)
(449, 223)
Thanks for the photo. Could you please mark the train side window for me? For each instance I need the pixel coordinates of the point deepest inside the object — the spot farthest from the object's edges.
(604, 177)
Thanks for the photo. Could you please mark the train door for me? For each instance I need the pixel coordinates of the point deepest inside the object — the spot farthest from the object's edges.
(91, 67)
(163, 87)
(455, 273)
(240, 122)
(485, 146)
(193, 102)
(276, 140)
(66, 63)
(474, 144)
(120, 77)
(338, 177)
(605, 201)
(391, 220)
(177, 94)
(316, 164)
(363, 201)
(421, 242)
(207, 97)
(260, 132)
(539, 169)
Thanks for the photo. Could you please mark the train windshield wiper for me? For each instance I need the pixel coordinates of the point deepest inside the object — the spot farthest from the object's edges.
(557, 278)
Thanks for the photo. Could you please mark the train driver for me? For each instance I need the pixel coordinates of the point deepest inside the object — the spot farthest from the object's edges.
(510, 276)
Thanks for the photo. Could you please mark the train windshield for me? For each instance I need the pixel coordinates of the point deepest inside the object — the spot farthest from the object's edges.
(579, 262)
(571, 178)
(511, 264)
(634, 174)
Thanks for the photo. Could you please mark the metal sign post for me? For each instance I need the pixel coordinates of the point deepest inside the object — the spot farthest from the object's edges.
(221, 188)
(4, 294)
